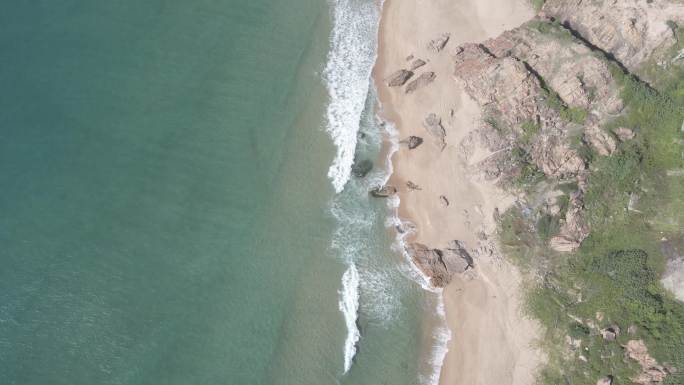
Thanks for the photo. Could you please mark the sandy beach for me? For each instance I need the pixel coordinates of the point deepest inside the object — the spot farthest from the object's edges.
(492, 342)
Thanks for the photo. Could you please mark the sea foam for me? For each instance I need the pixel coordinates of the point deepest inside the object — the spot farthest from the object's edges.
(353, 44)
(349, 305)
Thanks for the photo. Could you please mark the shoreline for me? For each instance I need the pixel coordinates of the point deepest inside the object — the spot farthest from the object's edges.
(501, 351)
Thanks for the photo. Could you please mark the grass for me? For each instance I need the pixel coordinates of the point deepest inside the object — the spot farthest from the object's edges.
(537, 4)
(616, 270)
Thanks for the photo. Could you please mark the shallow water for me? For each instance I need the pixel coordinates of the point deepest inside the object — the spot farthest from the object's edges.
(167, 215)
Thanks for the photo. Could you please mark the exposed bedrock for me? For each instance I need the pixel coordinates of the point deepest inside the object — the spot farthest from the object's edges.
(632, 31)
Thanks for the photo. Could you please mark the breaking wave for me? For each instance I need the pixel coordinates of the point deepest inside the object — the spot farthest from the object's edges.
(353, 45)
(349, 305)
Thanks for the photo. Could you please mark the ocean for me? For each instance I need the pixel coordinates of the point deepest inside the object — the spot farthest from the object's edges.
(178, 202)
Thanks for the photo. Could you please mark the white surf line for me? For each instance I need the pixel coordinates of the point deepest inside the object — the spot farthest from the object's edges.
(349, 305)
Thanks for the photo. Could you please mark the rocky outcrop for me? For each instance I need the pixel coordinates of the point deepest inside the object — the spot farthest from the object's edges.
(507, 92)
(651, 373)
(632, 31)
(567, 66)
(423, 80)
(440, 265)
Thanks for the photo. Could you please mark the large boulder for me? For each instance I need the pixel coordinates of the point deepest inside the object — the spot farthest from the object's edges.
(412, 142)
(430, 262)
(423, 80)
(399, 78)
(440, 265)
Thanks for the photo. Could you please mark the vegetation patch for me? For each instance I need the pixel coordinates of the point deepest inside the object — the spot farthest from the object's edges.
(613, 278)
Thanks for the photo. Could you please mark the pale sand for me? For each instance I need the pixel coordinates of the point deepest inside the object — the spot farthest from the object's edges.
(492, 342)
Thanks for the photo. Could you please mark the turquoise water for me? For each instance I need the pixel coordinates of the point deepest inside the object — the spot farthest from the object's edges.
(166, 213)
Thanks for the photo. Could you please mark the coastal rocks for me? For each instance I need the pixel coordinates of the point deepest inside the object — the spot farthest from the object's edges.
(412, 142)
(438, 44)
(399, 78)
(630, 30)
(417, 64)
(429, 261)
(440, 265)
(385, 191)
(423, 80)
(433, 125)
(602, 141)
(651, 373)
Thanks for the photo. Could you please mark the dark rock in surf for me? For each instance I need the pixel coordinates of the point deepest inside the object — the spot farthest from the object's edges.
(384, 191)
(361, 168)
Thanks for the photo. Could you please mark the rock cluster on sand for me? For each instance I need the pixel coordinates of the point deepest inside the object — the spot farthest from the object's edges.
(440, 265)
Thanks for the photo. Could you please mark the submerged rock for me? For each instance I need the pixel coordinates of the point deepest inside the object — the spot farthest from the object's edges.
(399, 78)
(361, 168)
(385, 191)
